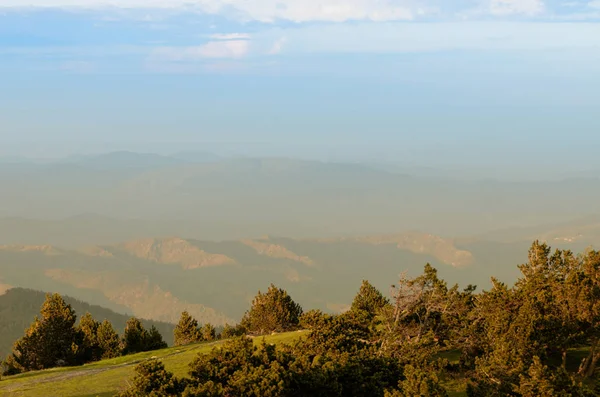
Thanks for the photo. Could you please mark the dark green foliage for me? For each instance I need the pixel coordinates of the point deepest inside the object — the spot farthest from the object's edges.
(423, 319)
(418, 383)
(209, 332)
(541, 381)
(108, 340)
(369, 300)
(335, 333)
(18, 308)
(273, 311)
(154, 340)
(89, 347)
(186, 331)
(523, 333)
(152, 380)
(231, 332)
(208, 389)
(53, 339)
(134, 337)
(240, 368)
(50, 341)
(137, 339)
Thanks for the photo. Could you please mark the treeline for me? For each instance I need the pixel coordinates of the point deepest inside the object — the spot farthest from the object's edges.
(511, 341)
(18, 306)
(55, 339)
(524, 340)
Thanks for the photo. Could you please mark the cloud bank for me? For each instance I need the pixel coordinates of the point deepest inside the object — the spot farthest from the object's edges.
(233, 49)
(270, 11)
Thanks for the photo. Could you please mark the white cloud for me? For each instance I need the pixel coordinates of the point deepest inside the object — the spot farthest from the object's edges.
(259, 10)
(388, 38)
(232, 49)
(594, 4)
(230, 36)
(512, 7)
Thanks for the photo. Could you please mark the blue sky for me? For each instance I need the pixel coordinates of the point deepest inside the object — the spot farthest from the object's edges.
(392, 77)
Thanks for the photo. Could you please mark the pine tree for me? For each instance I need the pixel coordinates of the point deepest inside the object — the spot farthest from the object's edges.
(50, 341)
(186, 331)
(369, 300)
(152, 379)
(154, 340)
(232, 331)
(108, 340)
(208, 332)
(89, 349)
(273, 311)
(542, 381)
(134, 337)
(421, 383)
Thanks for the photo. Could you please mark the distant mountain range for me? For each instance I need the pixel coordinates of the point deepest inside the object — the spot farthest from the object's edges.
(155, 235)
(158, 278)
(125, 159)
(203, 196)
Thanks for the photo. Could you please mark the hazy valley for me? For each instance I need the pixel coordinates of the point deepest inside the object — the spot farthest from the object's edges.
(153, 235)
(123, 196)
(159, 278)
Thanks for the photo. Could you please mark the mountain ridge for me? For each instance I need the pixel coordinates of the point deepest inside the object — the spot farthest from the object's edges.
(235, 198)
(157, 278)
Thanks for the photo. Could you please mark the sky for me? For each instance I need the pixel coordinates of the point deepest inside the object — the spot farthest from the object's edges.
(428, 81)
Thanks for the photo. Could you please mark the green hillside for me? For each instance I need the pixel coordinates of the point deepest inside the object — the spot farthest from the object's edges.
(18, 308)
(105, 378)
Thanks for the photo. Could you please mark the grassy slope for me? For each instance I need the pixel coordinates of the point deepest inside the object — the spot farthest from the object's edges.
(105, 378)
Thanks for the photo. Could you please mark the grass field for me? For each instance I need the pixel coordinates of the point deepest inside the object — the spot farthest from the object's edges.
(105, 378)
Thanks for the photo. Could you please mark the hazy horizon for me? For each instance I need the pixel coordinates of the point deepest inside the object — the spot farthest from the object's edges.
(496, 88)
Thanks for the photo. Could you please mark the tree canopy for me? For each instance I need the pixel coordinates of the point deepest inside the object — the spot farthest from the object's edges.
(273, 311)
